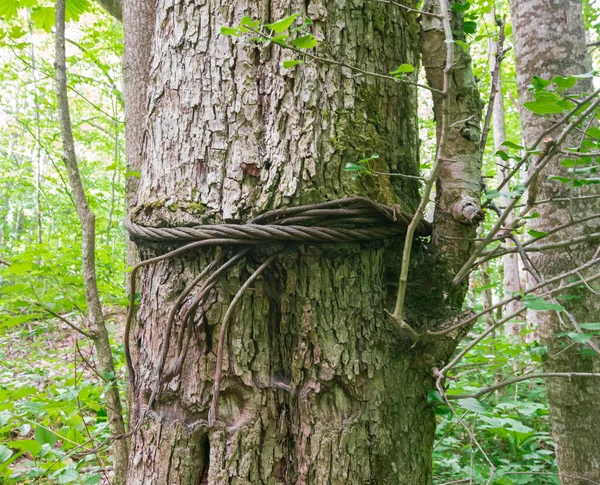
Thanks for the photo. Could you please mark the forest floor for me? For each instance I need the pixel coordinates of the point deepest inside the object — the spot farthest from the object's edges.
(51, 403)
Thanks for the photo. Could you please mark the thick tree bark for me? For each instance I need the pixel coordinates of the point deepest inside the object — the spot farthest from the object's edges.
(549, 40)
(319, 386)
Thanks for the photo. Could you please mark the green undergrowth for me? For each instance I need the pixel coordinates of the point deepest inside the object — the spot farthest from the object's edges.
(52, 410)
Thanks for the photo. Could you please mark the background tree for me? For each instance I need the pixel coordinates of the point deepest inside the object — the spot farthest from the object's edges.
(556, 46)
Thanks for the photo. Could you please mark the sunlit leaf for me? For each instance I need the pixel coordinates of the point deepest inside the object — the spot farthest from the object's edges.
(539, 304)
(305, 42)
(282, 24)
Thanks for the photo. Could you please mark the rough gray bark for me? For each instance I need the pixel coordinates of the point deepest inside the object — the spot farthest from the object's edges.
(95, 320)
(458, 189)
(139, 19)
(549, 40)
(138, 16)
(319, 386)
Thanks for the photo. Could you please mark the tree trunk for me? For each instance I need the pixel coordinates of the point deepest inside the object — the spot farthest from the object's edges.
(512, 279)
(95, 316)
(319, 386)
(556, 45)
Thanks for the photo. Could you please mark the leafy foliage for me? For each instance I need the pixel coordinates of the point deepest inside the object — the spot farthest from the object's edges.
(52, 407)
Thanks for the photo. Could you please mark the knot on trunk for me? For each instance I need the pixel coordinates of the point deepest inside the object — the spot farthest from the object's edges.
(467, 211)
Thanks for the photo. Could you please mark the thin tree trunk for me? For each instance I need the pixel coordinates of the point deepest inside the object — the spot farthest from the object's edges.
(513, 283)
(318, 384)
(550, 40)
(38, 155)
(95, 321)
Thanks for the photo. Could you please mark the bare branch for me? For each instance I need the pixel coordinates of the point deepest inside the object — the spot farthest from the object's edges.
(494, 88)
(64, 320)
(431, 179)
(487, 390)
(550, 150)
(489, 330)
(420, 12)
(334, 62)
(88, 230)
(500, 304)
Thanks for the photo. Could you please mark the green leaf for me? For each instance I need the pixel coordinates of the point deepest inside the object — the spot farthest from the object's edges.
(368, 159)
(473, 404)
(434, 396)
(539, 304)
(594, 132)
(591, 326)
(540, 83)
(307, 23)
(232, 31)
(44, 436)
(30, 446)
(589, 181)
(503, 155)
(68, 476)
(539, 350)
(133, 173)
(279, 39)
(510, 144)
(564, 82)
(461, 7)
(92, 479)
(16, 32)
(353, 167)
(493, 194)
(75, 8)
(291, 63)
(282, 24)
(250, 23)
(5, 453)
(543, 108)
(305, 42)
(403, 68)
(568, 162)
(580, 338)
(43, 18)
(470, 27)
(8, 9)
(562, 180)
(537, 234)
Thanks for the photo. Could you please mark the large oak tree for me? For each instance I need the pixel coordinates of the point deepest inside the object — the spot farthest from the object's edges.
(320, 385)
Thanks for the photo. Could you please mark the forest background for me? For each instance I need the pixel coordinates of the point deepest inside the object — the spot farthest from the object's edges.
(53, 418)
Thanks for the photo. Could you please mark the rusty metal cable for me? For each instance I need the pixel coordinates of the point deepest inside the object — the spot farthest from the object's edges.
(347, 220)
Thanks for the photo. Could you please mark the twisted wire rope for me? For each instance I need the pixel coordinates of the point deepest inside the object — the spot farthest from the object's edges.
(325, 222)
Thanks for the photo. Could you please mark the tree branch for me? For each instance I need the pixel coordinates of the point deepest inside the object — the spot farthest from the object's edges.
(501, 385)
(551, 149)
(435, 171)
